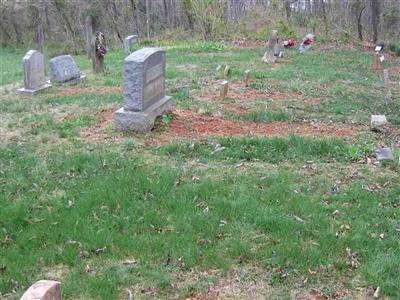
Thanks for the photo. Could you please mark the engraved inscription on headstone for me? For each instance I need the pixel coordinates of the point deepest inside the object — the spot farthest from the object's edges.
(63, 69)
(144, 90)
(34, 76)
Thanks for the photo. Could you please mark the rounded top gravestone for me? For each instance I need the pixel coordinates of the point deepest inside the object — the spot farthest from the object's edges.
(33, 69)
(144, 78)
(63, 68)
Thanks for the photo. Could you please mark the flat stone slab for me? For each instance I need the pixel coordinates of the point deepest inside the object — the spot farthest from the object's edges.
(141, 121)
(43, 290)
(25, 91)
(378, 120)
(384, 154)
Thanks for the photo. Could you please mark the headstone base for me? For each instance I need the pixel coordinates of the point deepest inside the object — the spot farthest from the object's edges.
(25, 91)
(72, 81)
(141, 121)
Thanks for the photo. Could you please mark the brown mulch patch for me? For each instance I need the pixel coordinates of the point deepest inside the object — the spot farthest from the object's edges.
(190, 125)
(97, 132)
(187, 124)
(71, 90)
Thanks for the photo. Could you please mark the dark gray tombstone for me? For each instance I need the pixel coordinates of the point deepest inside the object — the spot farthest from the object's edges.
(144, 90)
(129, 41)
(34, 76)
(64, 70)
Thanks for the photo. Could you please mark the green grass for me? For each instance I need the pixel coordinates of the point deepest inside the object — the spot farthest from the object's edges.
(198, 214)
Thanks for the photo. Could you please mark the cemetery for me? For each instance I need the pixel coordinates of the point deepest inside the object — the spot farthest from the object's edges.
(188, 169)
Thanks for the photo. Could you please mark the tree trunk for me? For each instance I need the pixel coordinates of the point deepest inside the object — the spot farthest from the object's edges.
(89, 35)
(359, 25)
(147, 19)
(324, 17)
(375, 11)
(40, 34)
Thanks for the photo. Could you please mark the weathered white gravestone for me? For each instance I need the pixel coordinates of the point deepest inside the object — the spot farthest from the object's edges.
(34, 77)
(64, 70)
(129, 41)
(144, 90)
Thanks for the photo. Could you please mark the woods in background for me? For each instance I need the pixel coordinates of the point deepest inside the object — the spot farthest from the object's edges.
(62, 22)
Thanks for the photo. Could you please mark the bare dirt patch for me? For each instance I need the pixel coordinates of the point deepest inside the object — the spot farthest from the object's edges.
(190, 125)
(187, 124)
(101, 130)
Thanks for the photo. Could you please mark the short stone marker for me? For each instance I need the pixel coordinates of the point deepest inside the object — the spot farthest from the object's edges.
(64, 70)
(378, 120)
(270, 48)
(227, 71)
(246, 77)
(34, 77)
(224, 89)
(43, 290)
(384, 153)
(129, 41)
(144, 90)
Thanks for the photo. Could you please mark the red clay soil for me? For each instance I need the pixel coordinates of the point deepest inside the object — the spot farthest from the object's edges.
(189, 125)
(98, 131)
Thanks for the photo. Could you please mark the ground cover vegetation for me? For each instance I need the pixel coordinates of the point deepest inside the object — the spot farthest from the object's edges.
(273, 191)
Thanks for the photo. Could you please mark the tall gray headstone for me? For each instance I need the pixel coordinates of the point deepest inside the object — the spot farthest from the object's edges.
(129, 41)
(64, 70)
(144, 90)
(34, 76)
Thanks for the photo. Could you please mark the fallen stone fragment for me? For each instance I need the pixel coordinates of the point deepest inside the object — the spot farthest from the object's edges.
(378, 120)
(384, 153)
(377, 292)
(227, 71)
(43, 290)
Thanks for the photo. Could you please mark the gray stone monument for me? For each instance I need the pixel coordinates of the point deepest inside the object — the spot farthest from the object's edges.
(384, 153)
(64, 70)
(144, 90)
(34, 77)
(129, 41)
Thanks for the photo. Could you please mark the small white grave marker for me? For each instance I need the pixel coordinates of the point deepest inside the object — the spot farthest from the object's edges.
(378, 120)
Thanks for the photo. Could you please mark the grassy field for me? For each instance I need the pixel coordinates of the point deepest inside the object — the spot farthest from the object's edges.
(272, 192)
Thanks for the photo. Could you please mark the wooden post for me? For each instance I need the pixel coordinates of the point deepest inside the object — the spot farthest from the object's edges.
(269, 55)
(246, 76)
(98, 51)
(377, 61)
(89, 35)
(223, 89)
(386, 78)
